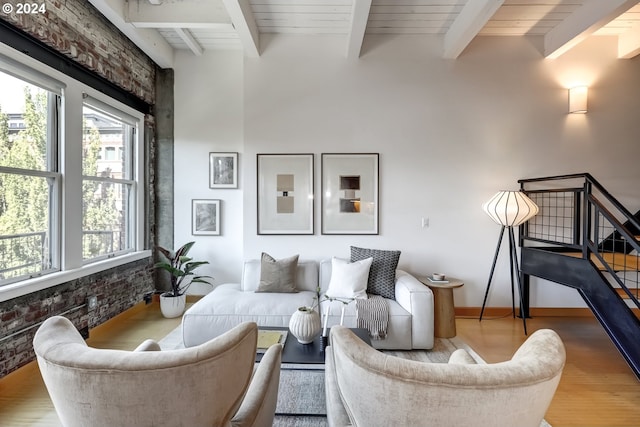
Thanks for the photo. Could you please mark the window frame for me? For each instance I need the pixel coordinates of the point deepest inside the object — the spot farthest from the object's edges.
(69, 156)
(55, 91)
(128, 170)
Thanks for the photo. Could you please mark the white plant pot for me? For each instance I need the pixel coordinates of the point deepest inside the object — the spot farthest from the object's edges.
(171, 306)
(305, 325)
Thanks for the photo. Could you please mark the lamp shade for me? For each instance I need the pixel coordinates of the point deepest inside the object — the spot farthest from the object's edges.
(510, 208)
(578, 100)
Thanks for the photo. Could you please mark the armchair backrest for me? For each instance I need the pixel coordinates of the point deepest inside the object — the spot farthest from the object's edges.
(381, 390)
(202, 385)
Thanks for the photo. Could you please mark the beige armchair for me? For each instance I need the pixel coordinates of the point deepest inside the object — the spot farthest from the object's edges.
(213, 384)
(365, 387)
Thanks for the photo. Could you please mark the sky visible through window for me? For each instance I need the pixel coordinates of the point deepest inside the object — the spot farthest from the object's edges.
(11, 94)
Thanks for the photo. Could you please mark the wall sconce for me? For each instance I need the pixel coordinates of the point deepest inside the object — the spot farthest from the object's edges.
(578, 100)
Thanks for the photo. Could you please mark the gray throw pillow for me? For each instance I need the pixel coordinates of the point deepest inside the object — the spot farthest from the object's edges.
(278, 275)
(382, 275)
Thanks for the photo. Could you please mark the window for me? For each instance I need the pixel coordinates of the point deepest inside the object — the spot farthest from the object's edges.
(107, 184)
(71, 176)
(110, 153)
(29, 179)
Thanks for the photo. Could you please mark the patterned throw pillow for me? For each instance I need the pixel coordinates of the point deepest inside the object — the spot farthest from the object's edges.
(278, 275)
(382, 275)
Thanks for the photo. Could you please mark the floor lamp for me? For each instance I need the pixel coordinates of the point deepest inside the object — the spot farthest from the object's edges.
(509, 209)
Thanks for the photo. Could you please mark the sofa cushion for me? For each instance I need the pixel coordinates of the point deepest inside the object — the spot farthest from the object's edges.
(278, 275)
(399, 329)
(349, 279)
(227, 306)
(382, 275)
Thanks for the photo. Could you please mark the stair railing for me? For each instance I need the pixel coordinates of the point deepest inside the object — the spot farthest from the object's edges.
(579, 217)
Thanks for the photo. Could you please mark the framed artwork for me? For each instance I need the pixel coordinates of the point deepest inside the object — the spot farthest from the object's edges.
(223, 170)
(350, 193)
(285, 194)
(205, 217)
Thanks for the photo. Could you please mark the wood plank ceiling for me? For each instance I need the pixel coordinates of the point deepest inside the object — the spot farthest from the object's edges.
(201, 25)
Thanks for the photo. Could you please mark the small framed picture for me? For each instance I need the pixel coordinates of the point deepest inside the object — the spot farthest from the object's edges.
(223, 170)
(205, 217)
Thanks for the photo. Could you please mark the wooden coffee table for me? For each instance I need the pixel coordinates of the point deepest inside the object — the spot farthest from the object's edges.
(307, 355)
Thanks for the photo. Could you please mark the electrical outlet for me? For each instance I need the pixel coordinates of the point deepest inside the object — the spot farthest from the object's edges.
(148, 297)
(92, 302)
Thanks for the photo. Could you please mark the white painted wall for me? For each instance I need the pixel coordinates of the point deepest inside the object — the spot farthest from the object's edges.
(450, 133)
(208, 118)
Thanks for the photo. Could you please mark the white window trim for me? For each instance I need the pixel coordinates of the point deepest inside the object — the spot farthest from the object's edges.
(24, 287)
(28, 74)
(74, 93)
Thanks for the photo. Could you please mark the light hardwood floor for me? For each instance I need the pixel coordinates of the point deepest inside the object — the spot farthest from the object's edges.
(597, 388)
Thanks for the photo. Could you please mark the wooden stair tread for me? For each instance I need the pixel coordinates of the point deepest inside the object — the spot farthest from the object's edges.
(619, 261)
(623, 294)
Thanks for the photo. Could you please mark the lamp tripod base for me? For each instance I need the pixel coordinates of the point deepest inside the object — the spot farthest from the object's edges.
(513, 271)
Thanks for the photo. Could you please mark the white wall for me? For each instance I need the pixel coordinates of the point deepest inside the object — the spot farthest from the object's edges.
(208, 118)
(450, 133)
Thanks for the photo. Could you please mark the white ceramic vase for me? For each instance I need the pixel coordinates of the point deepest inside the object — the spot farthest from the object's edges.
(171, 306)
(305, 325)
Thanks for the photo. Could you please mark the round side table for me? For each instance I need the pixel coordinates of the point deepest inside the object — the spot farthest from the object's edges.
(444, 316)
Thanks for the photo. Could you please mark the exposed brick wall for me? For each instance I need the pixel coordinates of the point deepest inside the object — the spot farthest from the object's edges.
(117, 289)
(79, 31)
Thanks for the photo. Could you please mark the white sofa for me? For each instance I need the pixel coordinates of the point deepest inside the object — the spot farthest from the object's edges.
(230, 304)
(410, 315)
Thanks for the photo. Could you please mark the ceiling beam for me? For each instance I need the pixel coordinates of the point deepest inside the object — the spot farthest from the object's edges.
(358, 25)
(177, 14)
(472, 18)
(192, 43)
(245, 24)
(629, 43)
(150, 41)
(586, 20)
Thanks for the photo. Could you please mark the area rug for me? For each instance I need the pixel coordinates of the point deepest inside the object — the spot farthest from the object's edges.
(301, 393)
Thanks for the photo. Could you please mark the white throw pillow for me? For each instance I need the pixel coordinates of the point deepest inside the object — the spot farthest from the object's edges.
(349, 279)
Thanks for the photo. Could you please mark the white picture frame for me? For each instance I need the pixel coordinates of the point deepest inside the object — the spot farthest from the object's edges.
(205, 217)
(349, 191)
(285, 196)
(223, 170)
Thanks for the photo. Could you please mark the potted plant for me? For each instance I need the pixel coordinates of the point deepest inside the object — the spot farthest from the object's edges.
(180, 267)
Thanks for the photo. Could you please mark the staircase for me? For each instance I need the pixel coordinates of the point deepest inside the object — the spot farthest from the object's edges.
(584, 238)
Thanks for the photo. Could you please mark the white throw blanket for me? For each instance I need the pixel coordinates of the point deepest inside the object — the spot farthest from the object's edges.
(373, 314)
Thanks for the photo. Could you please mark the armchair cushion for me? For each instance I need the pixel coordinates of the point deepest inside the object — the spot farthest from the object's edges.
(382, 275)
(461, 357)
(148, 345)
